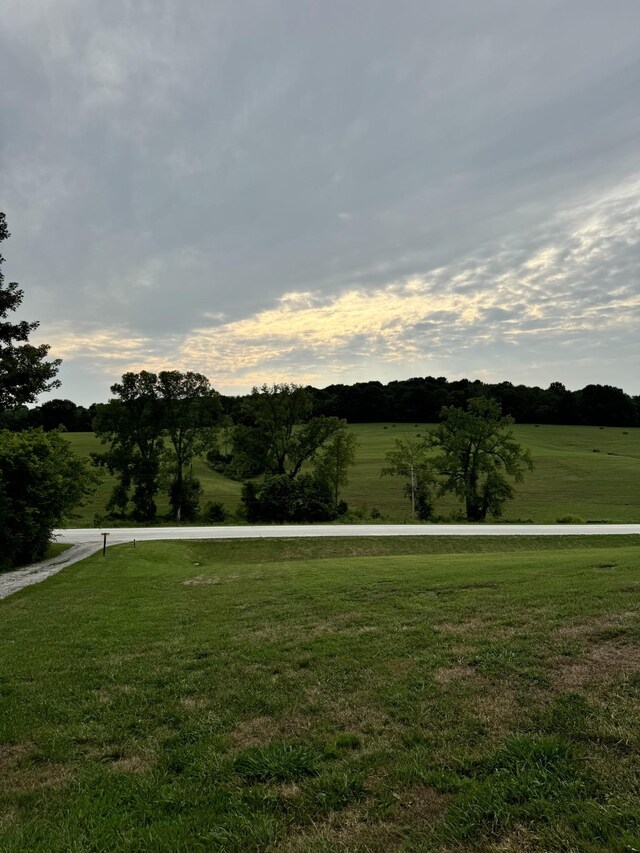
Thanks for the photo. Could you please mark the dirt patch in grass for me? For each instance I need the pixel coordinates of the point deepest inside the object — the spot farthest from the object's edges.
(132, 764)
(338, 623)
(358, 718)
(11, 753)
(35, 777)
(258, 731)
(253, 732)
(195, 703)
(520, 839)
(355, 829)
(19, 772)
(349, 829)
(602, 623)
(496, 708)
(8, 818)
(465, 627)
(603, 664)
(459, 672)
(209, 580)
(422, 802)
(400, 666)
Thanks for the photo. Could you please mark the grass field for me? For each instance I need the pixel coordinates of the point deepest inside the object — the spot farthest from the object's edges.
(569, 477)
(326, 695)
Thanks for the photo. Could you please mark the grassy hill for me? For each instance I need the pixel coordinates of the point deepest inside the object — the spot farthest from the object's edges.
(587, 472)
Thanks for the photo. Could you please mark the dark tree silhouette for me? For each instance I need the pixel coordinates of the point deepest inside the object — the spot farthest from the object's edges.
(24, 369)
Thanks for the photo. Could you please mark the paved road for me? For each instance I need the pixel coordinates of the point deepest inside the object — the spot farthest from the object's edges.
(127, 534)
(87, 541)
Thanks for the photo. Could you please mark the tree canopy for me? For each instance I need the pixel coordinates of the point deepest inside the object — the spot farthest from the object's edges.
(280, 433)
(153, 421)
(477, 454)
(41, 478)
(278, 436)
(24, 369)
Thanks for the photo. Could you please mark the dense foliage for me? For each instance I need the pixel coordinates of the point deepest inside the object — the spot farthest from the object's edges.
(41, 481)
(408, 400)
(281, 498)
(477, 454)
(421, 399)
(279, 433)
(24, 369)
(41, 478)
(154, 426)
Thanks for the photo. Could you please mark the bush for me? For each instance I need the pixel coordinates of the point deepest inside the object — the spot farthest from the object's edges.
(41, 481)
(184, 498)
(282, 498)
(570, 519)
(215, 512)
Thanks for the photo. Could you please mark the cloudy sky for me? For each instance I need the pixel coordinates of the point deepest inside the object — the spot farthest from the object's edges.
(326, 191)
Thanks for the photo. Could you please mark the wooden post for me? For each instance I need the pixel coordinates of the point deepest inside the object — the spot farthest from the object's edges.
(104, 544)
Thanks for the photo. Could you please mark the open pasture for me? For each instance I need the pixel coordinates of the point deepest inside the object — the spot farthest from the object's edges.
(587, 472)
(326, 695)
(590, 473)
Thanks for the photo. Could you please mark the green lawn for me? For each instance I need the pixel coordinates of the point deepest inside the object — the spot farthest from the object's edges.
(338, 695)
(569, 478)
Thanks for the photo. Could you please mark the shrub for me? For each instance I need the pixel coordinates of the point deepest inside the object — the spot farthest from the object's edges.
(41, 481)
(342, 508)
(282, 498)
(215, 512)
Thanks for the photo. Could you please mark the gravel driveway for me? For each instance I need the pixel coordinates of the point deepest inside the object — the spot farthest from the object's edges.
(11, 582)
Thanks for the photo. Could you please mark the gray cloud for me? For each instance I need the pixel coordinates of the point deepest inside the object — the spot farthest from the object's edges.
(165, 162)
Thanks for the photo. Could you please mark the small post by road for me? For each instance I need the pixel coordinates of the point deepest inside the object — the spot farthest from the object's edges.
(104, 544)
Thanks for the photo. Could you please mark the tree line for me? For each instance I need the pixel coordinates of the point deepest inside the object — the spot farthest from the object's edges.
(422, 399)
(410, 400)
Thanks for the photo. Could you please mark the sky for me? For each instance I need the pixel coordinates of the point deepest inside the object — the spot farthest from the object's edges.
(327, 191)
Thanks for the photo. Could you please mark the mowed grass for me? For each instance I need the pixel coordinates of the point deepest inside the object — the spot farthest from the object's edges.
(326, 695)
(569, 478)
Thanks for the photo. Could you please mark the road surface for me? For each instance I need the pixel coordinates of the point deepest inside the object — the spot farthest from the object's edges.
(128, 534)
(87, 541)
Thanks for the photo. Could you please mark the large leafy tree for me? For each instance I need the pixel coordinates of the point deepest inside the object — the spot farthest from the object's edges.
(131, 424)
(189, 410)
(281, 434)
(153, 422)
(334, 459)
(24, 369)
(478, 454)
